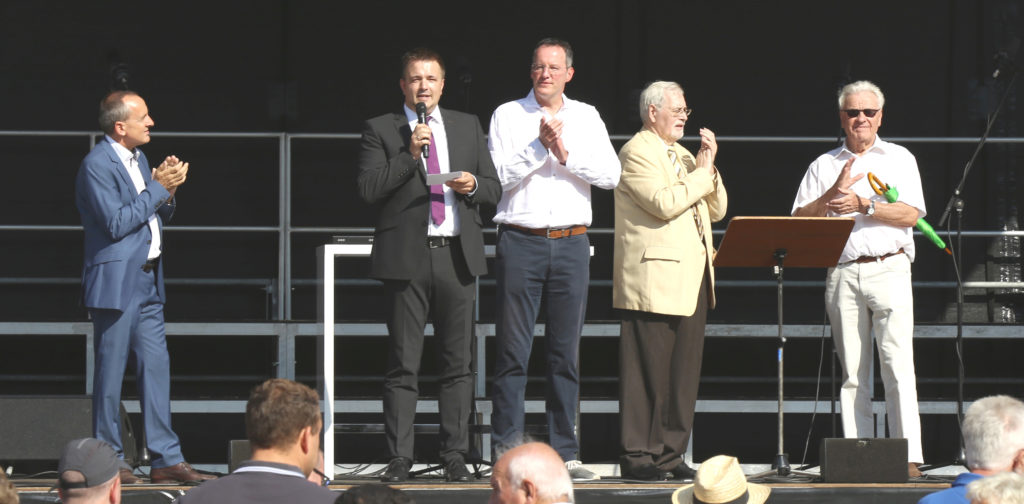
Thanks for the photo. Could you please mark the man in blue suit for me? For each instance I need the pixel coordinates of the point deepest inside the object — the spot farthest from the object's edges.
(123, 204)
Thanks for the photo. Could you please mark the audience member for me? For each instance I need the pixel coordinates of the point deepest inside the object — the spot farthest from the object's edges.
(89, 472)
(282, 422)
(374, 494)
(993, 432)
(8, 494)
(720, 480)
(1003, 488)
(532, 473)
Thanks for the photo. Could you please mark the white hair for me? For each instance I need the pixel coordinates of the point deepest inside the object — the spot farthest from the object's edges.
(553, 483)
(860, 87)
(993, 431)
(654, 94)
(1002, 488)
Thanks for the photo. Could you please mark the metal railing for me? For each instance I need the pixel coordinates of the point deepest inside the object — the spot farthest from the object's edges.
(281, 289)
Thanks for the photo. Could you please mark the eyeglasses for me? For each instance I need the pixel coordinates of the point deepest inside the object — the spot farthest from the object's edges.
(324, 480)
(869, 112)
(679, 112)
(554, 70)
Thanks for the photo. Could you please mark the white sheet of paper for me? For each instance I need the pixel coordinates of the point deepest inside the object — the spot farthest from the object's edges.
(440, 178)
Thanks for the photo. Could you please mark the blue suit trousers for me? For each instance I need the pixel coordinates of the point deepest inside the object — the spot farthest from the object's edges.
(139, 330)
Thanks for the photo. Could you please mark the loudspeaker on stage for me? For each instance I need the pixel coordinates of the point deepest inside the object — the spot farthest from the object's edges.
(865, 460)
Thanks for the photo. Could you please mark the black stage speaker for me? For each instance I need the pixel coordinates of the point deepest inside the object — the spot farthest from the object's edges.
(38, 427)
(867, 460)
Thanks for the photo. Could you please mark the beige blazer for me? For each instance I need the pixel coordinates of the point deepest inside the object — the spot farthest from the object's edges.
(659, 256)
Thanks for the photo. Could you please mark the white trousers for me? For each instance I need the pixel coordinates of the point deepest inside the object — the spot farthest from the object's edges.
(877, 297)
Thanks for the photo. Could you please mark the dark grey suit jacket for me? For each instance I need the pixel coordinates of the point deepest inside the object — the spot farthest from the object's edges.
(390, 177)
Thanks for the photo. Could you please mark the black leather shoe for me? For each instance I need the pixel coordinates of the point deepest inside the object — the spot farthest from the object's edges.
(455, 470)
(397, 470)
(681, 472)
(646, 472)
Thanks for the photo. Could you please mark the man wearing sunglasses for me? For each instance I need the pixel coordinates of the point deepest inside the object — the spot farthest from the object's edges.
(869, 291)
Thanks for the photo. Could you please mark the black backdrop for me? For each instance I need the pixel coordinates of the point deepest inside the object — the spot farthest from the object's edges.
(303, 66)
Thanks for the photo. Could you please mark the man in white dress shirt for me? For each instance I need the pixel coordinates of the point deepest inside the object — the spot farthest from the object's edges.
(869, 291)
(548, 150)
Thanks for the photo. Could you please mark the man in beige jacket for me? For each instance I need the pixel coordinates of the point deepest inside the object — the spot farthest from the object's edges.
(663, 281)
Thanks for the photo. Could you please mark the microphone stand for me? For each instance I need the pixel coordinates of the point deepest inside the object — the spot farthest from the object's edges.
(957, 203)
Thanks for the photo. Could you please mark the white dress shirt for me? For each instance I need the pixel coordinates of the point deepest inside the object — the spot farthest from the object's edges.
(131, 165)
(450, 226)
(893, 165)
(539, 192)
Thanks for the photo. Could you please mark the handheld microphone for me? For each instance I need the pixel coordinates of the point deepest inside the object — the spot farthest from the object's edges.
(421, 114)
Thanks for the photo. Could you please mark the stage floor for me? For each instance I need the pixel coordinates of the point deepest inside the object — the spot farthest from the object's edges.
(605, 491)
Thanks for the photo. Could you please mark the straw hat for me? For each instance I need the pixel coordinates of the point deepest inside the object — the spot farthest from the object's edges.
(720, 480)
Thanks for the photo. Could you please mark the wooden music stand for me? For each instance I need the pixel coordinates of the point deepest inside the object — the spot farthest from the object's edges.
(800, 242)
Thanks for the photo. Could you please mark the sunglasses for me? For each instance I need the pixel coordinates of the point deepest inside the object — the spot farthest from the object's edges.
(869, 112)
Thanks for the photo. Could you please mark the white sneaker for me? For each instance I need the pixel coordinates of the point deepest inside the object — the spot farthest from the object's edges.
(579, 473)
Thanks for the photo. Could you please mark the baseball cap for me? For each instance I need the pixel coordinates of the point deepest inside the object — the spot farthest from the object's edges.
(93, 458)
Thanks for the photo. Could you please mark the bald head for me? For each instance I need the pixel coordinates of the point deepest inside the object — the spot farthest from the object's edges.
(530, 473)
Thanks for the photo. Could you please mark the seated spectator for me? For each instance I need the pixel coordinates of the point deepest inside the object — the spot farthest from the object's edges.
(720, 480)
(1003, 488)
(532, 473)
(89, 473)
(374, 494)
(993, 432)
(282, 422)
(8, 494)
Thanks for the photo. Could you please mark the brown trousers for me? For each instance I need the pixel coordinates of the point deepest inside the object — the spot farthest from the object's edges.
(659, 367)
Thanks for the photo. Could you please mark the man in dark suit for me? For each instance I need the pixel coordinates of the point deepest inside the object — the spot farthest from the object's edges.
(427, 249)
(124, 204)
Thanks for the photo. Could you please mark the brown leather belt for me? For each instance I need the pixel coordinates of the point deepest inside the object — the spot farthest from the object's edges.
(867, 259)
(553, 234)
(150, 265)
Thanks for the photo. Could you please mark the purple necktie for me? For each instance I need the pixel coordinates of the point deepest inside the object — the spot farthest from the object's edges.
(436, 191)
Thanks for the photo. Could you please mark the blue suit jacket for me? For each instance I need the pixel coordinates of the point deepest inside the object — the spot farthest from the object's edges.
(115, 220)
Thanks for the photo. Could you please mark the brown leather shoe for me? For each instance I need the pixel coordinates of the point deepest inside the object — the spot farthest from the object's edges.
(127, 477)
(913, 471)
(179, 473)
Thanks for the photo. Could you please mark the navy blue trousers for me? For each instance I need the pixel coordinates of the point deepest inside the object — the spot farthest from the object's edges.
(529, 268)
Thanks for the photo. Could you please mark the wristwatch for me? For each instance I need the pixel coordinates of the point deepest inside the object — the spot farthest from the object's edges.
(871, 209)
